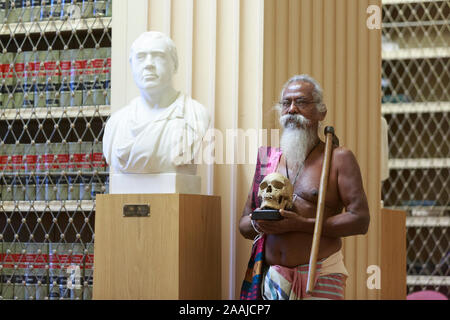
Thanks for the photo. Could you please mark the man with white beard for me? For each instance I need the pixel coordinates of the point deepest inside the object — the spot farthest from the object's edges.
(279, 264)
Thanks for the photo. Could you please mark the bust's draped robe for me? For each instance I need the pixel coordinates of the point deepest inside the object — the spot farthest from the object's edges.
(159, 144)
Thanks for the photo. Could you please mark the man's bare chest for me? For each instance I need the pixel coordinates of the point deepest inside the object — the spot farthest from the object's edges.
(307, 188)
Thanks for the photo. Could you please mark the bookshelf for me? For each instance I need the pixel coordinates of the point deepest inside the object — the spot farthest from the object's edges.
(54, 103)
(416, 104)
(59, 112)
(54, 26)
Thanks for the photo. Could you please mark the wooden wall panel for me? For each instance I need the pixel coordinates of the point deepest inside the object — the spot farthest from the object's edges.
(329, 40)
(329, 60)
(235, 56)
(306, 36)
(294, 44)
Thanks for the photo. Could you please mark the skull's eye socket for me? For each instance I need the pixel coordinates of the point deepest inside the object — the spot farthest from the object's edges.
(278, 184)
(263, 185)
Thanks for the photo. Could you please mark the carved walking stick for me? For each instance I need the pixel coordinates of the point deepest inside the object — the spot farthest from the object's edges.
(329, 138)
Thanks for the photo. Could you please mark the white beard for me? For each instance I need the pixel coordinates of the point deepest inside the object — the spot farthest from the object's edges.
(298, 139)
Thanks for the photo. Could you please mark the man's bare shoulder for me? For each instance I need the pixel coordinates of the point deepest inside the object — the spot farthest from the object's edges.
(344, 158)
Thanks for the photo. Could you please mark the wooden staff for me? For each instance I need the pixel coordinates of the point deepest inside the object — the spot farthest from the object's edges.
(329, 135)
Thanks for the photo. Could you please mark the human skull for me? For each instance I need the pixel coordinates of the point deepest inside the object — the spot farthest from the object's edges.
(276, 192)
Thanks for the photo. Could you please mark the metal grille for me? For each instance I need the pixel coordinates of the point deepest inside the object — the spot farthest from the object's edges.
(416, 102)
(54, 103)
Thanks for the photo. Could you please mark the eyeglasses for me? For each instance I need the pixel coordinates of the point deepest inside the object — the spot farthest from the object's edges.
(299, 103)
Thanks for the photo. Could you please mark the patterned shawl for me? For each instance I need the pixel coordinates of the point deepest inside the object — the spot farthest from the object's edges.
(267, 162)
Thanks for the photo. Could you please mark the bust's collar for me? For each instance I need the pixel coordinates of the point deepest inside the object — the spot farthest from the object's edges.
(179, 105)
(175, 110)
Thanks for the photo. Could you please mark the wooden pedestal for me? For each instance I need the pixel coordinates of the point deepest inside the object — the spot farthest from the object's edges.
(172, 254)
(393, 255)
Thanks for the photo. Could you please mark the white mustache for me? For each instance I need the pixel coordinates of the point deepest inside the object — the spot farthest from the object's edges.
(294, 120)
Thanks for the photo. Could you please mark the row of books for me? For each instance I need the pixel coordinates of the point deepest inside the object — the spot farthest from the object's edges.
(55, 78)
(56, 188)
(40, 271)
(52, 157)
(16, 11)
(59, 95)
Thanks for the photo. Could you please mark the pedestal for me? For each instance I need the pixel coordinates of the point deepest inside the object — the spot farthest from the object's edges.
(174, 253)
(154, 183)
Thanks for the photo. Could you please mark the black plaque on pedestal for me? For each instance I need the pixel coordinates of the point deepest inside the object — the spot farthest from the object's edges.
(266, 214)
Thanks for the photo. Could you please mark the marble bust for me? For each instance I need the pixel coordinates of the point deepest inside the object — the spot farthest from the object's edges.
(160, 131)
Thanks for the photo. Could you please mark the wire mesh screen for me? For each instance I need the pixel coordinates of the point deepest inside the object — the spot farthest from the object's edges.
(416, 102)
(417, 24)
(55, 72)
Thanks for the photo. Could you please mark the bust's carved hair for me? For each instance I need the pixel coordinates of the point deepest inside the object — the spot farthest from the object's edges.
(155, 35)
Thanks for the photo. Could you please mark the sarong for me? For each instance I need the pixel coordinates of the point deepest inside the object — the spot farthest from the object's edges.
(282, 283)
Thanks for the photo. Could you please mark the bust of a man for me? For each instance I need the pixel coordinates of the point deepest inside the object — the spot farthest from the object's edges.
(159, 131)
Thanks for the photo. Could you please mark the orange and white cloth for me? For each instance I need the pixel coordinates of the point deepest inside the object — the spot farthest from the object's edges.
(282, 283)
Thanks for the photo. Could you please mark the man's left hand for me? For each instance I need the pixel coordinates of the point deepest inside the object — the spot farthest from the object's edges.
(289, 223)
